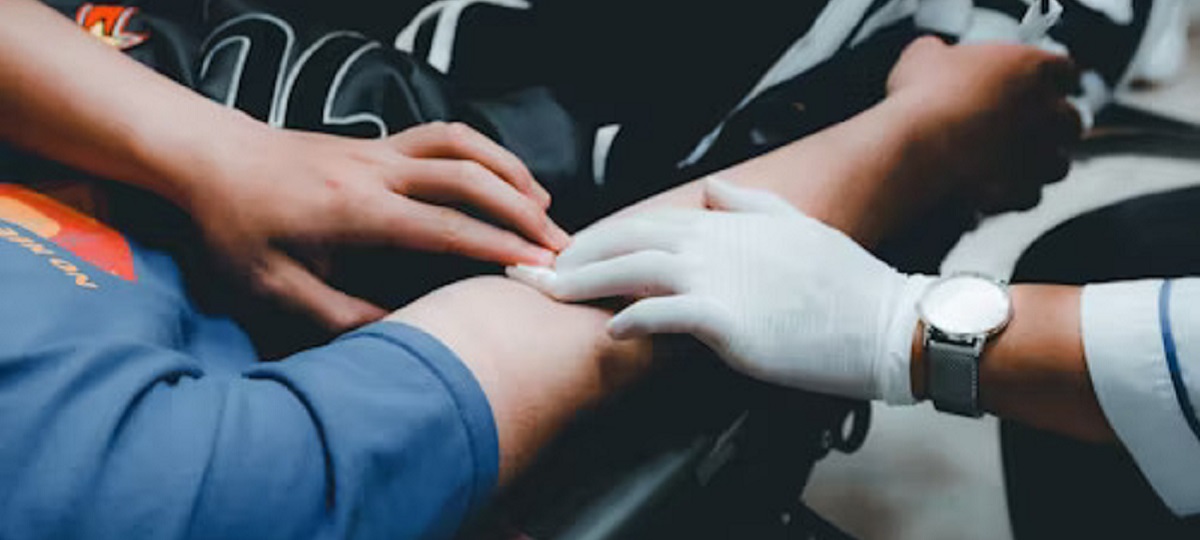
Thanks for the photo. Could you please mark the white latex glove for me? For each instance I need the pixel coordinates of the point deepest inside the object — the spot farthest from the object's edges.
(778, 295)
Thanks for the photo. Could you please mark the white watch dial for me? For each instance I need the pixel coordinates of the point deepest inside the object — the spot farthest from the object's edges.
(966, 304)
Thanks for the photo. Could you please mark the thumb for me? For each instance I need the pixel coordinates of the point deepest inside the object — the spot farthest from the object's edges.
(671, 315)
(722, 195)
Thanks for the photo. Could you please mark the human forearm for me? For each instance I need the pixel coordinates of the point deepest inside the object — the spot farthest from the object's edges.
(852, 175)
(1034, 372)
(272, 205)
(85, 104)
(539, 362)
(787, 299)
(983, 124)
(959, 136)
(866, 176)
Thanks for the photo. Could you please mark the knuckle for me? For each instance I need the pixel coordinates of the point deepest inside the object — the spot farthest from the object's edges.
(437, 130)
(433, 130)
(469, 172)
(713, 317)
(402, 176)
(460, 130)
(342, 205)
(458, 134)
(1045, 67)
(1066, 64)
(451, 237)
(1035, 55)
(641, 228)
(1054, 70)
(658, 259)
(402, 183)
(532, 216)
(928, 44)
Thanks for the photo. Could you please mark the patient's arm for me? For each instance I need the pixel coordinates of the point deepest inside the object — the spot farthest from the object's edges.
(540, 362)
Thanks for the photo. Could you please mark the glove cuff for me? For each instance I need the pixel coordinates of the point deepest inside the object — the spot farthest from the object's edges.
(894, 380)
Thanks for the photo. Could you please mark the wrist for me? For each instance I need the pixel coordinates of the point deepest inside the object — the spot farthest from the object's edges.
(915, 147)
(182, 165)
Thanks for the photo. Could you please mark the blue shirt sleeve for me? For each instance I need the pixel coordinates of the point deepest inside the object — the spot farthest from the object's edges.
(127, 413)
(383, 433)
(408, 437)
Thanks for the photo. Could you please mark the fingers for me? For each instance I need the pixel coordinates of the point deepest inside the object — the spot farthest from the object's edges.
(1059, 73)
(538, 277)
(426, 227)
(922, 50)
(283, 278)
(646, 273)
(1047, 155)
(1041, 156)
(919, 54)
(656, 315)
(722, 195)
(656, 231)
(459, 141)
(451, 182)
(1056, 167)
(671, 315)
(1066, 123)
(1020, 187)
(1018, 200)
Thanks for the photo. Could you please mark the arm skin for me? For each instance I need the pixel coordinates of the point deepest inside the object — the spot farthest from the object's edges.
(858, 176)
(97, 127)
(253, 190)
(952, 118)
(1034, 371)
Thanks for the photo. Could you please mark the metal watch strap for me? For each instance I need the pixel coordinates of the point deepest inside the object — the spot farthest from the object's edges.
(953, 369)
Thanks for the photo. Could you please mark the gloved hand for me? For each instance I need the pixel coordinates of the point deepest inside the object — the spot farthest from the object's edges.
(778, 295)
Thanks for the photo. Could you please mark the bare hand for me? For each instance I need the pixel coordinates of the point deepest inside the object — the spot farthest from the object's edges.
(272, 217)
(998, 113)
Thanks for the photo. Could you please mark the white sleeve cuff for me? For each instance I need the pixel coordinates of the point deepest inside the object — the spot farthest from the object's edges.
(1124, 345)
(895, 375)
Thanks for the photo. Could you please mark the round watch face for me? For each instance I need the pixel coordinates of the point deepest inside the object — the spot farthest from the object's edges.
(966, 304)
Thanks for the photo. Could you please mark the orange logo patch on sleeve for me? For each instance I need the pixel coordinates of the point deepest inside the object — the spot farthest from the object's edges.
(69, 229)
(107, 23)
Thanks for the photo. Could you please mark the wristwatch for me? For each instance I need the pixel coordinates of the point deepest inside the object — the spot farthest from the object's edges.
(961, 312)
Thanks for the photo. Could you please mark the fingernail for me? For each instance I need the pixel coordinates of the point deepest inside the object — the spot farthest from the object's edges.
(535, 276)
(541, 257)
(717, 181)
(558, 237)
(616, 329)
